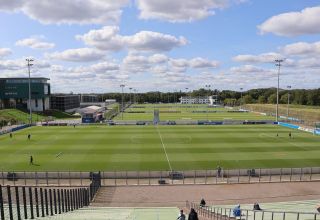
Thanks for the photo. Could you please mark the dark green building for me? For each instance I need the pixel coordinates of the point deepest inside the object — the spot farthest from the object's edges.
(14, 93)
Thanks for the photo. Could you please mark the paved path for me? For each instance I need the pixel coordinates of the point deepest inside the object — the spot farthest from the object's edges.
(176, 195)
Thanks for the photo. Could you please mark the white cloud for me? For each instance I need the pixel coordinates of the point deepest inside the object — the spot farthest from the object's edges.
(153, 41)
(68, 11)
(293, 23)
(302, 49)
(135, 64)
(107, 38)
(180, 10)
(35, 43)
(199, 62)
(161, 64)
(104, 67)
(179, 65)
(10, 5)
(247, 69)
(21, 65)
(308, 63)
(158, 58)
(5, 52)
(78, 55)
(261, 58)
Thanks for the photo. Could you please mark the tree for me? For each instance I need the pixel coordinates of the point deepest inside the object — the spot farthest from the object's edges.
(262, 99)
(272, 99)
(247, 99)
(284, 99)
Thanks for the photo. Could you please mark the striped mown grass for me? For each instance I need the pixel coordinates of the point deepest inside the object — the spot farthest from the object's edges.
(87, 148)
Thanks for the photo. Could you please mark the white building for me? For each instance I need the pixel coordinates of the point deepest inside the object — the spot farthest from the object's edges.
(210, 100)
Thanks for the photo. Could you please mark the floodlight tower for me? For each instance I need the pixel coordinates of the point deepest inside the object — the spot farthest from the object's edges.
(278, 64)
(122, 86)
(29, 64)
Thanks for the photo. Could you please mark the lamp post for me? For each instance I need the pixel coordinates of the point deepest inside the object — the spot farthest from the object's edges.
(288, 87)
(29, 64)
(278, 64)
(122, 86)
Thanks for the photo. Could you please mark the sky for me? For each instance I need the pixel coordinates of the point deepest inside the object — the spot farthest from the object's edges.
(88, 46)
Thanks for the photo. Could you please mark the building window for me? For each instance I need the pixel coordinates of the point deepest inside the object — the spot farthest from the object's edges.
(36, 100)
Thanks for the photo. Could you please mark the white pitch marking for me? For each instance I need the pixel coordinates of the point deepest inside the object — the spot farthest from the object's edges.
(164, 148)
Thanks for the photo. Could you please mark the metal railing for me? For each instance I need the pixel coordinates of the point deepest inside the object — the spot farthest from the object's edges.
(222, 213)
(29, 202)
(17, 202)
(118, 178)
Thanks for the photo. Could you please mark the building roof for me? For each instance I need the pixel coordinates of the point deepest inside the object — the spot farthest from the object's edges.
(93, 107)
(90, 109)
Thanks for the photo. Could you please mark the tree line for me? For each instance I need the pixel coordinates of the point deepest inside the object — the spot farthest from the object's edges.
(226, 97)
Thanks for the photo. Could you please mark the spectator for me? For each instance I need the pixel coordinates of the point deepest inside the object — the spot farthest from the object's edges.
(256, 206)
(237, 211)
(219, 171)
(318, 209)
(202, 203)
(181, 216)
(193, 215)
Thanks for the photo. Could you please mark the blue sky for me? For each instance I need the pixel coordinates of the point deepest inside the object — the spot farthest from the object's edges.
(164, 45)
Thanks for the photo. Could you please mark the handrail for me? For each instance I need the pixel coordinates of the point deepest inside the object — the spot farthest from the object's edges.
(217, 212)
(267, 210)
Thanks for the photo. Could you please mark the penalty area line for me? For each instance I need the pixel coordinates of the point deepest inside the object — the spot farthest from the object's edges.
(164, 148)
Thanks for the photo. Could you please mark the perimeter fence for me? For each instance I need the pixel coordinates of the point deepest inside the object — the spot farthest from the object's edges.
(118, 178)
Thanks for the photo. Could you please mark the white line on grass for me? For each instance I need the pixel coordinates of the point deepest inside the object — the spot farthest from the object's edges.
(164, 148)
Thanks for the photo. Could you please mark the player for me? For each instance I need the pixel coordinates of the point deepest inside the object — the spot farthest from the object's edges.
(31, 160)
(10, 135)
(29, 136)
(290, 135)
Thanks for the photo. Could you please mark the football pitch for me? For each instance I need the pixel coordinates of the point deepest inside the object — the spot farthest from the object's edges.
(186, 112)
(107, 148)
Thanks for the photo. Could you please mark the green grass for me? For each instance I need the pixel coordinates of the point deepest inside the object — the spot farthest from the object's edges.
(19, 116)
(194, 116)
(186, 112)
(104, 148)
(23, 117)
(61, 115)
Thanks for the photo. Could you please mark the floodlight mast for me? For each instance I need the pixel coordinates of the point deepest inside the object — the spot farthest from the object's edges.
(29, 64)
(278, 64)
